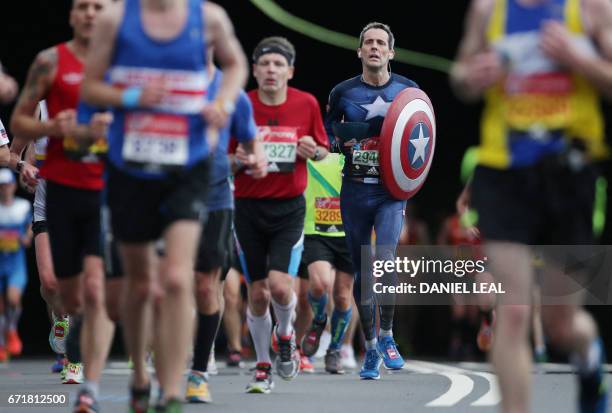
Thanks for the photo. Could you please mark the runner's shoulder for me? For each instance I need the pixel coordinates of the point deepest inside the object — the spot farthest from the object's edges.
(344, 86)
(404, 80)
(297, 95)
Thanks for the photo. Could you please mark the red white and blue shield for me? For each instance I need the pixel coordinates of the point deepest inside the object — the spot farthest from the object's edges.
(407, 143)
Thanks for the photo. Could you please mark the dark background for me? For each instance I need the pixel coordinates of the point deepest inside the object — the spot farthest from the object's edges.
(433, 27)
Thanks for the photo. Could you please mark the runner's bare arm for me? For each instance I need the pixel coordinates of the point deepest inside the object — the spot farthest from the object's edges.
(558, 45)
(94, 90)
(5, 155)
(220, 35)
(40, 77)
(475, 63)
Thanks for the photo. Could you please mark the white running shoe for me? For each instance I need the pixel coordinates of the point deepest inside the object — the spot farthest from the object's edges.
(211, 368)
(59, 333)
(347, 355)
(323, 344)
(74, 374)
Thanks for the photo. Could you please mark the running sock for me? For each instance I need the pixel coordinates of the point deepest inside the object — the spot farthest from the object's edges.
(204, 340)
(318, 307)
(371, 344)
(588, 363)
(340, 321)
(385, 333)
(12, 315)
(284, 314)
(2, 330)
(73, 342)
(386, 317)
(260, 328)
(92, 387)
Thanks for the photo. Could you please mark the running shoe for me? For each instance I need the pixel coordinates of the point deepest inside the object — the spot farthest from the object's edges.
(593, 393)
(371, 365)
(85, 403)
(171, 406)
(310, 342)
(347, 353)
(197, 388)
(274, 341)
(323, 345)
(390, 354)
(333, 362)
(58, 334)
(262, 380)
(484, 339)
(4, 355)
(306, 365)
(74, 374)
(139, 400)
(13, 343)
(60, 362)
(287, 363)
(211, 367)
(234, 359)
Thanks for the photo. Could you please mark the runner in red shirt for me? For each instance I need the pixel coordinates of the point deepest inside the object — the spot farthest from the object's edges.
(74, 184)
(270, 212)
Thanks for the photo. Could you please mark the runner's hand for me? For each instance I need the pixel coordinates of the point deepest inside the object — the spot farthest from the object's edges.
(482, 71)
(29, 177)
(214, 115)
(306, 147)
(64, 123)
(99, 125)
(557, 44)
(152, 94)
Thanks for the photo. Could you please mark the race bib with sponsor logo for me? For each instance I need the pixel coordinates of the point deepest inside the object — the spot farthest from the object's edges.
(155, 141)
(327, 215)
(85, 152)
(280, 145)
(364, 158)
(542, 99)
(9, 241)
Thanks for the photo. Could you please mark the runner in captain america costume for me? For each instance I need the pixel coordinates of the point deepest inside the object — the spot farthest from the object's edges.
(356, 111)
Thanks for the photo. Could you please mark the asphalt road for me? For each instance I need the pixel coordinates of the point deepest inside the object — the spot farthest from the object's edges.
(420, 387)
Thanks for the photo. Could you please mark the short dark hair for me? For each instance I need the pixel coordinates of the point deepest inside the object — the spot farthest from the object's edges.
(378, 25)
(275, 44)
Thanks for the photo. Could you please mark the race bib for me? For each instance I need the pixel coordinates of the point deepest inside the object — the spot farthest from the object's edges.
(280, 145)
(82, 152)
(155, 141)
(542, 99)
(9, 241)
(327, 215)
(365, 157)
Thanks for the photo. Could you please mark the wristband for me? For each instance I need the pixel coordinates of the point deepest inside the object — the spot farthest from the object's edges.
(130, 98)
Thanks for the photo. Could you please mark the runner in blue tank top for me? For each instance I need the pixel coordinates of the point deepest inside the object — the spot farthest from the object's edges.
(154, 53)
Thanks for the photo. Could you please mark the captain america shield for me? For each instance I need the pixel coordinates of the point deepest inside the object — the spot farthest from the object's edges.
(407, 143)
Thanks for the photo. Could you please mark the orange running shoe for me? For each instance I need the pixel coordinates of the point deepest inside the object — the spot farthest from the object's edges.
(4, 355)
(484, 339)
(305, 364)
(13, 343)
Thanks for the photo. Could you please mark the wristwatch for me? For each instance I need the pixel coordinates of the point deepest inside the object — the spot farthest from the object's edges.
(19, 166)
(316, 155)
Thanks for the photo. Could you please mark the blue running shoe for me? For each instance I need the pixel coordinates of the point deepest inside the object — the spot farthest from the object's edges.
(594, 388)
(388, 349)
(371, 365)
(59, 364)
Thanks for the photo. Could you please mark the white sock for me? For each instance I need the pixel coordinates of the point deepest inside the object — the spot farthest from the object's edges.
(261, 328)
(385, 333)
(371, 344)
(92, 387)
(284, 315)
(591, 362)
